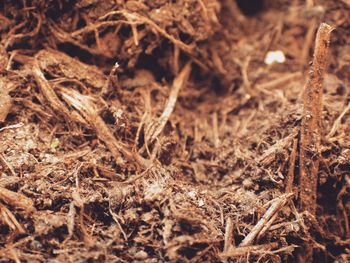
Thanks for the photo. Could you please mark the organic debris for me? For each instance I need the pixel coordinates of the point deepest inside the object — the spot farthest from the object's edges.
(174, 131)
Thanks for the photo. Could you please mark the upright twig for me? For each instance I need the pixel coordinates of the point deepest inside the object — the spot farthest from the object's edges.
(311, 121)
(310, 139)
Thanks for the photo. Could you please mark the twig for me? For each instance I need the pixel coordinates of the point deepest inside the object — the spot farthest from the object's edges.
(135, 18)
(70, 220)
(216, 137)
(4, 162)
(63, 37)
(269, 156)
(277, 205)
(10, 219)
(112, 78)
(280, 82)
(290, 175)
(13, 126)
(88, 110)
(229, 242)
(311, 122)
(72, 69)
(17, 200)
(49, 93)
(155, 128)
(337, 122)
(116, 220)
(241, 251)
(266, 227)
(310, 138)
(235, 12)
(13, 36)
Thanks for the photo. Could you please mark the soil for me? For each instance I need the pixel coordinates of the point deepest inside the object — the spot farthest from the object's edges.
(154, 131)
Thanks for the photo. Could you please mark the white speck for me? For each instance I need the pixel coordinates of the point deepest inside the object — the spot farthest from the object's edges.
(153, 190)
(200, 202)
(30, 144)
(274, 57)
(191, 194)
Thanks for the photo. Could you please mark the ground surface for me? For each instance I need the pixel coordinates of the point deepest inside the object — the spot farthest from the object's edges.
(153, 131)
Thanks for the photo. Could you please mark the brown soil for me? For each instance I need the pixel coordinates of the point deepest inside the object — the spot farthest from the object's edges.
(153, 131)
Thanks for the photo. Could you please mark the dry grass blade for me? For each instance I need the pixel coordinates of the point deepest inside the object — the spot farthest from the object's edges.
(50, 94)
(292, 159)
(152, 131)
(269, 156)
(337, 122)
(241, 251)
(155, 128)
(88, 111)
(279, 82)
(276, 206)
(7, 164)
(10, 219)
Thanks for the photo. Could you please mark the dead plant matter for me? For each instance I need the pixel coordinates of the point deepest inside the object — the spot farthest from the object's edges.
(153, 131)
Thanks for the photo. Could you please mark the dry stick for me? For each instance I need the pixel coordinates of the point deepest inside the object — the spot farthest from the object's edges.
(241, 251)
(310, 138)
(311, 122)
(216, 137)
(139, 19)
(229, 242)
(17, 200)
(279, 83)
(10, 40)
(337, 122)
(88, 110)
(10, 219)
(9, 166)
(13, 126)
(50, 94)
(267, 226)
(269, 156)
(292, 159)
(277, 205)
